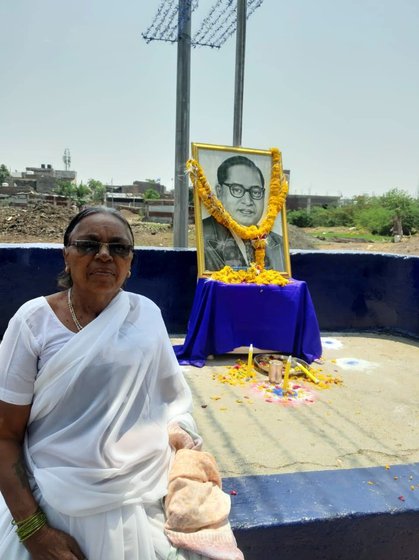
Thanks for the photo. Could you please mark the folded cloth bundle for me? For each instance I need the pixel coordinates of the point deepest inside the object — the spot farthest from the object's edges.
(197, 509)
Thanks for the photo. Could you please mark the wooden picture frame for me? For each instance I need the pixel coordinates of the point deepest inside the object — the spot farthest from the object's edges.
(217, 246)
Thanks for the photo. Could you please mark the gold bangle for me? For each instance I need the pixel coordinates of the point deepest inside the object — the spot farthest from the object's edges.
(29, 526)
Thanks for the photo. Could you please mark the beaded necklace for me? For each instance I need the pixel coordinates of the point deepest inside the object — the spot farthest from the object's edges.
(73, 313)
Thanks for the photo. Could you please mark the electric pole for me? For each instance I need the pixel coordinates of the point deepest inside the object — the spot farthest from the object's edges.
(181, 210)
(239, 75)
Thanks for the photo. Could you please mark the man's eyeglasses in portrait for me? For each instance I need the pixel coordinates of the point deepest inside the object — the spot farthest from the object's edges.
(238, 191)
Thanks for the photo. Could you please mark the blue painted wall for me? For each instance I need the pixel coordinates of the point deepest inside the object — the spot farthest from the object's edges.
(350, 291)
(167, 276)
(362, 291)
(327, 515)
(280, 517)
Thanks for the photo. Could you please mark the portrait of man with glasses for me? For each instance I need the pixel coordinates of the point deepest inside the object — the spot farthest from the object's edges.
(241, 189)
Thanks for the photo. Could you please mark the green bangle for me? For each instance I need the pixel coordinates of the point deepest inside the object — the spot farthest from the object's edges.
(30, 525)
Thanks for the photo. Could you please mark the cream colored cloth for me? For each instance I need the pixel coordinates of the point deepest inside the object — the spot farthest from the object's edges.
(197, 509)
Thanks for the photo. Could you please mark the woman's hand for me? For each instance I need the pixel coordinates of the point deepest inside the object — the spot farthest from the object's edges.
(53, 544)
(47, 543)
(179, 438)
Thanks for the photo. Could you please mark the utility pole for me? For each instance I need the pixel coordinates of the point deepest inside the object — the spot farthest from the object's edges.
(239, 75)
(181, 210)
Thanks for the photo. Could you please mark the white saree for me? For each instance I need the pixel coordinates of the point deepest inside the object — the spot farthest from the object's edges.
(97, 439)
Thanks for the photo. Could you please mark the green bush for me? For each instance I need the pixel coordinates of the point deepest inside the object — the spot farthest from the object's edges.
(342, 216)
(320, 216)
(377, 220)
(376, 214)
(412, 223)
(299, 218)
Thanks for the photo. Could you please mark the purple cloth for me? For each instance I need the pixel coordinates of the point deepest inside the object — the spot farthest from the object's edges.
(226, 316)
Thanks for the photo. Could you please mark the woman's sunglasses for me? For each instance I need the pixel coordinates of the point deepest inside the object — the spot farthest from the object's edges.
(91, 247)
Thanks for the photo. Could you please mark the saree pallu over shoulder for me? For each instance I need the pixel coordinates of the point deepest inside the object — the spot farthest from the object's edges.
(79, 348)
(97, 436)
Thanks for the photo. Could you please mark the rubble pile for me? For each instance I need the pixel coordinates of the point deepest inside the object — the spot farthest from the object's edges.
(43, 221)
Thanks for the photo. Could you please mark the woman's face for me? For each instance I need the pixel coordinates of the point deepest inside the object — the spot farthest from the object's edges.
(99, 269)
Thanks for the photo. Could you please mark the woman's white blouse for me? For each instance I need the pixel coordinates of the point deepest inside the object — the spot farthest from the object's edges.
(33, 336)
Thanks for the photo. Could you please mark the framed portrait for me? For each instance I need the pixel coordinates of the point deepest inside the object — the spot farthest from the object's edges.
(239, 180)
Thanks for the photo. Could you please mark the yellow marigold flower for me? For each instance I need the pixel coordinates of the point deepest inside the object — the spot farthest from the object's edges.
(253, 275)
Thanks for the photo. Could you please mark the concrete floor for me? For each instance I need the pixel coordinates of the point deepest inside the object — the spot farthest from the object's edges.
(370, 420)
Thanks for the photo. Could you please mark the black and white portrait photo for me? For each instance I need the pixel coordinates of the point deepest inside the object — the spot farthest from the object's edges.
(241, 181)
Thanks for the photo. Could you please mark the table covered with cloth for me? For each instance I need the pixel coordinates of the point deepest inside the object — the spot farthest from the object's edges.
(228, 316)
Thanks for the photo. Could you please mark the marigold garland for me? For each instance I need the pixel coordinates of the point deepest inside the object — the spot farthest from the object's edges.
(278, 189)
(253, 275)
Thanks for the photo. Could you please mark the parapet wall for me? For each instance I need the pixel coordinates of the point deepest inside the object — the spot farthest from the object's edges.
(351, 291)
(300, 516)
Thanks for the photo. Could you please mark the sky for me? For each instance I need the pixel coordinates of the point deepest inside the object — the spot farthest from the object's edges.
(333, 84)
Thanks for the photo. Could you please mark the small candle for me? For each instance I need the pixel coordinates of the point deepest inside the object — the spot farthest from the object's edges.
(286, 376)
(308, 373)
(250, 360)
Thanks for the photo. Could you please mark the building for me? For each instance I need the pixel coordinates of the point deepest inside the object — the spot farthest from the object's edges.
(42, 180)
(137, 187)
(307, 201)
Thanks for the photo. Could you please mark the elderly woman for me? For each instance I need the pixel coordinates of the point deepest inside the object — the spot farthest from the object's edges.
(89, 391)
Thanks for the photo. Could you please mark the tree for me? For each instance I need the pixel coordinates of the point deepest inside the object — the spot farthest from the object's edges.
(78, 194)
(151, 194)
(4, 174)
(401, 206)
(83, 195)
(362, 201)
(97, 190)
(375, 219)
(65, 188)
